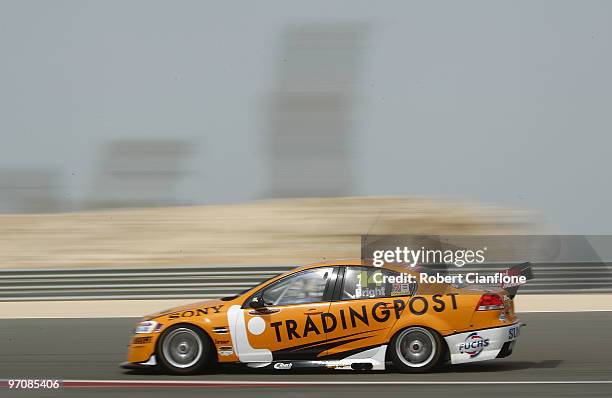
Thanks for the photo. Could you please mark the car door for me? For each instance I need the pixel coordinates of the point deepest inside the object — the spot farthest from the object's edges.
(363, 309)
(290, 326)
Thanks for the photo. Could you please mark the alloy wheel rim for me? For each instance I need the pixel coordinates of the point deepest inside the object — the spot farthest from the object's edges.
(182, 348)
(416, 347)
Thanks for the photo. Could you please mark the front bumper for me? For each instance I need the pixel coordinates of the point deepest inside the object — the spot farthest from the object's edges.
(484, 344)
(142, 348)
(150, 363)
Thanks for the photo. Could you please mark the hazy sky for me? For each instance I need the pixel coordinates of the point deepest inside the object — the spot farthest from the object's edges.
(507, 103)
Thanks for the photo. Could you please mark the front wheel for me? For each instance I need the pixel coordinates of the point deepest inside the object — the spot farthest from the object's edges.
(416, 349)
(185, 349)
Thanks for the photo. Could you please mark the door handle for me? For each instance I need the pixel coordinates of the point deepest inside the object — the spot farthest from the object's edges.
(313, 311)
(264, 311)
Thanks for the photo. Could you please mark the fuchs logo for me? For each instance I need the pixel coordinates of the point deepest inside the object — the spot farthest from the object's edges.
(473, 345)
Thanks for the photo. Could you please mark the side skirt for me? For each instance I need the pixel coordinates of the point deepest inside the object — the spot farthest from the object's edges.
(371, 359)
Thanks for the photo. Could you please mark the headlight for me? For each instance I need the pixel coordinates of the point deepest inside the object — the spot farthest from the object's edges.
(147, 327)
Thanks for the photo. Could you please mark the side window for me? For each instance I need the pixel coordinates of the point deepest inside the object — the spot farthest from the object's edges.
(305, 287)
(368, 282)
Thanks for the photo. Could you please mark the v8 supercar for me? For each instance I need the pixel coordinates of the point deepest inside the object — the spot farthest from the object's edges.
(342, 315)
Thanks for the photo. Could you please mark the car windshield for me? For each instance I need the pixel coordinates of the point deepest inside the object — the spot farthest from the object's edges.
(304, 287)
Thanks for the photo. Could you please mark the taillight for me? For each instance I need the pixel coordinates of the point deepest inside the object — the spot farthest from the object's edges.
(490, 302)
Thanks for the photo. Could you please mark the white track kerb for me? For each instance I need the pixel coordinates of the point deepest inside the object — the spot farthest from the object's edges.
(88, 383)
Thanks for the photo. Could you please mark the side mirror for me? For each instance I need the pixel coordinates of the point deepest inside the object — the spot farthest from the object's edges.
(257, 303)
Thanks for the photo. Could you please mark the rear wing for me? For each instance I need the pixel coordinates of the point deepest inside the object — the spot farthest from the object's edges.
(523, 269)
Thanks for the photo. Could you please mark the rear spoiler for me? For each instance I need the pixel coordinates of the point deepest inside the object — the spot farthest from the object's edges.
(523, 269)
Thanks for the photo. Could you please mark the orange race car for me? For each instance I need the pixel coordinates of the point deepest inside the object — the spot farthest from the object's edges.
(343, 315)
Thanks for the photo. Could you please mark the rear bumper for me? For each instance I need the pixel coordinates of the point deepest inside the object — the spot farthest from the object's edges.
(506, 350)
(484, 344)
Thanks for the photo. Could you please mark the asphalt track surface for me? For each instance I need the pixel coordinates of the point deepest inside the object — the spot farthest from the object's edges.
(558, 355)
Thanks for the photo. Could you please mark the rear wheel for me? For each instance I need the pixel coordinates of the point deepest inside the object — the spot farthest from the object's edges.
(416, 349)
(185, 349)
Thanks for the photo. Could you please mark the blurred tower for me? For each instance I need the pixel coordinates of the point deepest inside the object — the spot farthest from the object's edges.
(30, 191)
(141, 173)
(311, 110)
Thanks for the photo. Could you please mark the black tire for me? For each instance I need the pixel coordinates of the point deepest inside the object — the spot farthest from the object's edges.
(416, 349)
(185, 349)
